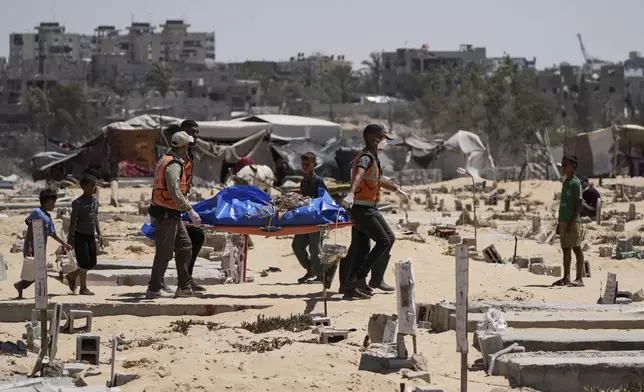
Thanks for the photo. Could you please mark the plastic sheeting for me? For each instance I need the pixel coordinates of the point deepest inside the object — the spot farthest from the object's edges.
(249, 206)
(476, 154)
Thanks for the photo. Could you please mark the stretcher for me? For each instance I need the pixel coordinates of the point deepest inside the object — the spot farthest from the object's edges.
(280, 231)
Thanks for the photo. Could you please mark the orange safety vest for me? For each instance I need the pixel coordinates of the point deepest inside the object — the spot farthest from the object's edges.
(160, 195)
(368, 191)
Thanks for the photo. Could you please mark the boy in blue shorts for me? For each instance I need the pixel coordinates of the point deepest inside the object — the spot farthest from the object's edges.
(48, 199)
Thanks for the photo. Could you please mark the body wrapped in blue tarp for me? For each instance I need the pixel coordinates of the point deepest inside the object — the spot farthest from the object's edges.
(246, 205)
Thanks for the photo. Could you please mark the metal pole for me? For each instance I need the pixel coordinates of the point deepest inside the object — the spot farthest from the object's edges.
(463, 372)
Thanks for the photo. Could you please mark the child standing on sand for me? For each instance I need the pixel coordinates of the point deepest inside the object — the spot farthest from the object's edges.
(310, 260)
(83, 225)
(48, 199)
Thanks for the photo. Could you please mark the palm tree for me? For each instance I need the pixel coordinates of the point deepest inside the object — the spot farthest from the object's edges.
(160, 79)
(374, 68)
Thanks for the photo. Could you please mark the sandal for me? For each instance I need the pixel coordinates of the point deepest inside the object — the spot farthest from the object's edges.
(561, 282)
(576, 283)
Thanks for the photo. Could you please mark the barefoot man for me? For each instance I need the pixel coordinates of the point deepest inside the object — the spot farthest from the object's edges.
(569, 227)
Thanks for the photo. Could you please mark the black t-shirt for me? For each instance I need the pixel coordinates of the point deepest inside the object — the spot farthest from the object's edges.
(310, 185)
(590, 196)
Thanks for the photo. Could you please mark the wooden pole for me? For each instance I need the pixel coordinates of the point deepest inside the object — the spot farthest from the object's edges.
(55, 329)
(474, 207)
(40, 288)
(406, 299)
(462, 283)
(113, 364)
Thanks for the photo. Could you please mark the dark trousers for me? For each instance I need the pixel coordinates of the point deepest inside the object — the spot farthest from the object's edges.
(85, 250)
(357, 252)
(170, 237)
(369, 225)
(310, 260)
(23, 284)
(197, 238)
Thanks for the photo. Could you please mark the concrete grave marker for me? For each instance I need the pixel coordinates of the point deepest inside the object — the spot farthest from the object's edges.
(610, 293)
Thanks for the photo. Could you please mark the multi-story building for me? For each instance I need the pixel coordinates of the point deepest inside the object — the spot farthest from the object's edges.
(589, 102)
(313, 65)
(140, 44)
(398, 65)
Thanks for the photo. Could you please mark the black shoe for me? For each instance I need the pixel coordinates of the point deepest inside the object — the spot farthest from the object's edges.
(196, 288)
(364, 287)
(355, 294)
(306, 277)
(316, 279)
(382, 286)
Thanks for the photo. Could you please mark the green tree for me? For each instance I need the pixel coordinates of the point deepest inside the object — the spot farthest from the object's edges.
(62, 112)
(160, 79)
(373, 74)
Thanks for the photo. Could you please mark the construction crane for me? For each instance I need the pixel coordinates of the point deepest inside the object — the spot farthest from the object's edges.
(588, 61)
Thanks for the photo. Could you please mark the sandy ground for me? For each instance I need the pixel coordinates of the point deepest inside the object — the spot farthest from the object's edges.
(206, 360)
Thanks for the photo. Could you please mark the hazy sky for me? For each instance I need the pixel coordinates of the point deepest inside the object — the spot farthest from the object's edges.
(278, 29)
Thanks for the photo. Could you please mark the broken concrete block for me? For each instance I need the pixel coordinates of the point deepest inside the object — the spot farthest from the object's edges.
(377, 325)
(454, 239)
(638, 296)
(490, 344)
(605, 251)
(522, 262)
(423, 375)
(76, 315)
(491, 255)
(469, 242)
(424, 325)
(321, 321)
(88, 348)
(631, 213)
(536, 260)
(373, 362)
(427, 388)
(123, 378)
(419, 362)
(538, 269)
(333, 336)
(553, 270)
(624, 244)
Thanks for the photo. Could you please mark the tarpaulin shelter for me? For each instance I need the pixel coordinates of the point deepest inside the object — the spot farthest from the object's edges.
(464, 149)
(319, 131)
(596, 154)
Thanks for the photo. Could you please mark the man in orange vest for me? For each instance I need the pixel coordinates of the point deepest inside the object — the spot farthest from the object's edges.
(368, 223)
(196, 233)
(168, 203)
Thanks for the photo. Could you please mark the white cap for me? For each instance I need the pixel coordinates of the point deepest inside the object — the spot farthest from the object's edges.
(181, 139)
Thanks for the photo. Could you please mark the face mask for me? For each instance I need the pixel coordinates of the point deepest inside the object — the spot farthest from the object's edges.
(382, 144)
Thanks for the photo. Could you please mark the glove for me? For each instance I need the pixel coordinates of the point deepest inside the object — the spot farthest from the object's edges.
(347, 202)
(402, 196)
(194, 217)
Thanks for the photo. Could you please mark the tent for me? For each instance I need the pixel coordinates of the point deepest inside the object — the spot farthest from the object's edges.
(464, 149)
(596, 154)
(319, 131)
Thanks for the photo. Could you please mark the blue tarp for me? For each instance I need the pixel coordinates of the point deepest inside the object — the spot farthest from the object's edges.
(246, 205)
